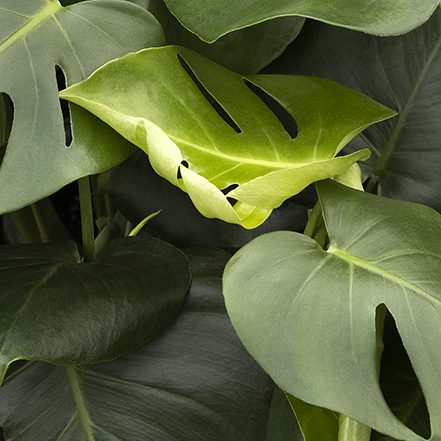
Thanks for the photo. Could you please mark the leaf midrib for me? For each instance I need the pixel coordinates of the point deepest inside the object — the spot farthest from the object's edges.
(176, 140)
(79, 404)
(369, 266)
(37, 20)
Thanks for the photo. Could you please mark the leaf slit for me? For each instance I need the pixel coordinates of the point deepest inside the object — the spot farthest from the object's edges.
(65, 109)
(6, 120)
(285, 118)
(229, 188)
(184, 164)
(399, 383)
(210, 98)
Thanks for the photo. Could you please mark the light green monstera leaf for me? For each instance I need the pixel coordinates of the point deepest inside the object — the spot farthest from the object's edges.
(152, 100)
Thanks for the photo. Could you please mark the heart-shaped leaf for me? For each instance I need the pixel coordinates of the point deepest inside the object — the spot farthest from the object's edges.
(36, 36)
(195, 381)
(211, 19)
(57, 309)
(406, 154)
(308, 315)
(257, 153)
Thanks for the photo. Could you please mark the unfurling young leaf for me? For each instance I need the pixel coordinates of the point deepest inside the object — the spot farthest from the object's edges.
(168, 109)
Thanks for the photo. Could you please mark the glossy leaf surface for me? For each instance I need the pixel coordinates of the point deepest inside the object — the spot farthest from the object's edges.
(195, 381)
(210, 18)
(35, 37)
(266, 163)
(308, 315)
(57, 309)
(400, 72)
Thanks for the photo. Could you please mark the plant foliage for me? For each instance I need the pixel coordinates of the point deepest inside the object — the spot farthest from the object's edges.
(36, 36)
(245, 254)
(372, 255)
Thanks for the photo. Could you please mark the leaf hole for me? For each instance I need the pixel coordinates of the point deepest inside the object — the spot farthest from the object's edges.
(285, 118)
(399, 384)
(6, 121)
(65, 108)
(229, 188)
(210, 98)
(225, 191)
(185, 164)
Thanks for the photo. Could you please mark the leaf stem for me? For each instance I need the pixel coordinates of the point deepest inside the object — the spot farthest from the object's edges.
(87, 224)
(351, 430)
(109, 232)
(414, 400)
(315, 227)
(79, 404)
(313, 218)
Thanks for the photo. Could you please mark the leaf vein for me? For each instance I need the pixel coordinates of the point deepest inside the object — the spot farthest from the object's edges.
(371, 267)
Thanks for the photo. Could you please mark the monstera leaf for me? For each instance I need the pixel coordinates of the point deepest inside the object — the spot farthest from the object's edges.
(309, 316)
(164, 111)
(35, 37)
(58, 309)
(210, 19)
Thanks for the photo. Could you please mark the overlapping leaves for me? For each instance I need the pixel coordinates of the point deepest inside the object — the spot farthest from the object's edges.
(193, 382)
(308, 315)
(400, 72)
(163, 111)
(237, 50)
(57, 309)
(211, 19)
(35, 37)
